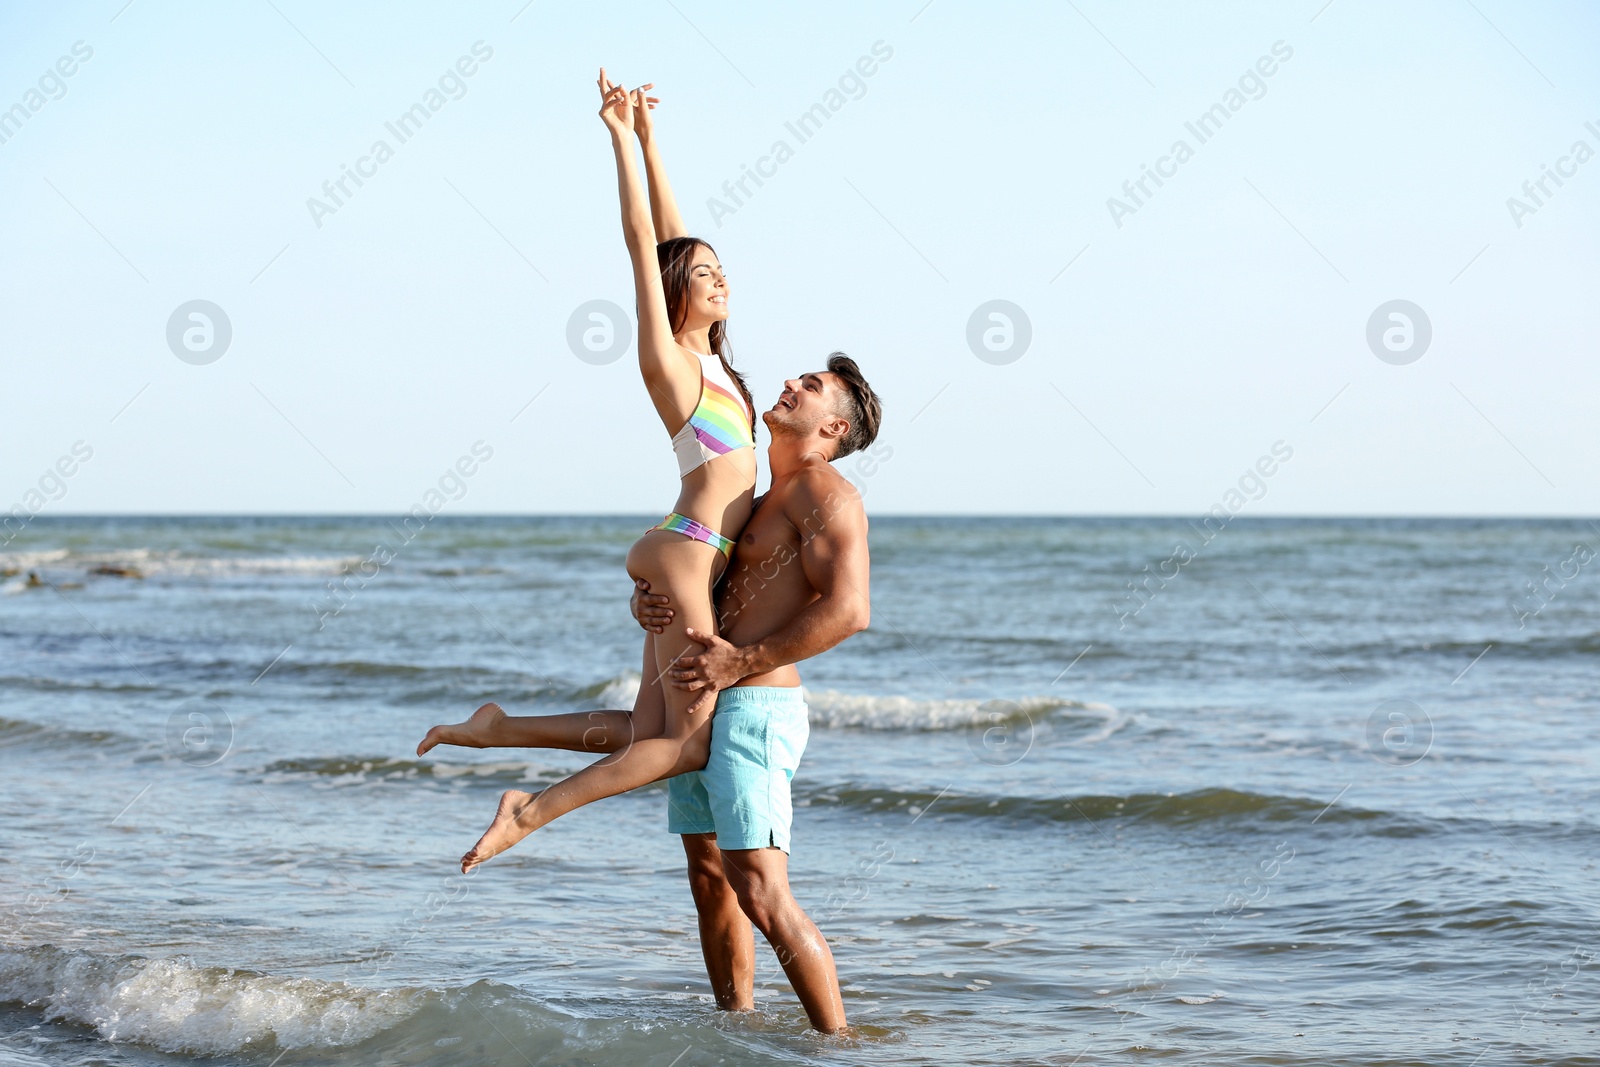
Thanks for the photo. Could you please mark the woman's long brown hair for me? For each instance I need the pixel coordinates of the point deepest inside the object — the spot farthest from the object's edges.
(676, 259)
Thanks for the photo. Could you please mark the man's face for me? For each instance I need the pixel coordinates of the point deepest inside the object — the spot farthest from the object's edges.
(806, 403)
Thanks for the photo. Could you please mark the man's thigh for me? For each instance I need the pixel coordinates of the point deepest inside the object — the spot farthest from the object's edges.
(758, 736)
(759, 873)
(689, 807)
(702, 852)
(712, 867)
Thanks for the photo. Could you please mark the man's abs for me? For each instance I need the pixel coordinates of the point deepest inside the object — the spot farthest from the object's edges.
(764, 588)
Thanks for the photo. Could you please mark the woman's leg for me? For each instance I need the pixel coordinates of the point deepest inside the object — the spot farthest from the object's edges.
(682, 569)
(578, 731)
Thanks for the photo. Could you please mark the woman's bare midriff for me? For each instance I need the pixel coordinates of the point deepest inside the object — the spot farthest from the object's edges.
(719, 494)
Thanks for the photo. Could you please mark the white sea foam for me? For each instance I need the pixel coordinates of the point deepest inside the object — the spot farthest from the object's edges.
(177, 564)
(23, 561)
(180, 566)
(179, 1007)
(619, 692)
(1112, 720)
(833, 710)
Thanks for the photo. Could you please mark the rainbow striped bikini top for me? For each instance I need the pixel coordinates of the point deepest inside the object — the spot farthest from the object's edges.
(720, 423)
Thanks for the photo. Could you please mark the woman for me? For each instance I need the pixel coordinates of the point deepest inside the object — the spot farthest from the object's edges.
(683, 308)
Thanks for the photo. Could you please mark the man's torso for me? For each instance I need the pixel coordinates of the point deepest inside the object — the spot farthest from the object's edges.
(766, 585)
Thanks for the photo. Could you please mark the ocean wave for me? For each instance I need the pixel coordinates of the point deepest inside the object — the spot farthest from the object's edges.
(179, 1006)
(831, 710)
(357, 770)
(176, 1006)
(20, 732)
(1174, 809)
(618, 692)
(18, 562)
(81, 685)
(151, 562)
(1367, 653)
(458, 687)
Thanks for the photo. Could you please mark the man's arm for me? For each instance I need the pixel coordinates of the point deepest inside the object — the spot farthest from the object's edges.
(833, 553)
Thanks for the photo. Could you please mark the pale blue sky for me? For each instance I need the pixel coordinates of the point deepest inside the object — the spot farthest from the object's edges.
(1228, 313)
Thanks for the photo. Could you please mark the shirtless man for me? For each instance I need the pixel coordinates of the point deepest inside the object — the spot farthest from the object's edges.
(797, 586)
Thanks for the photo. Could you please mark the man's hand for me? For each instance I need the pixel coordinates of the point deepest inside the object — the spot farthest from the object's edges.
(649, 609)
(704, 704)
(718, 667)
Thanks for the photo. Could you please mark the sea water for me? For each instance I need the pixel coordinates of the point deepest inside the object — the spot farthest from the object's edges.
(1305, 792)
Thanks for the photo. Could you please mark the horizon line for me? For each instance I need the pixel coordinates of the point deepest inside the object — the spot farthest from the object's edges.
(647, 515)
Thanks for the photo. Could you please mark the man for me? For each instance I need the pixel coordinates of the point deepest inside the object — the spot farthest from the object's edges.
(797, 585)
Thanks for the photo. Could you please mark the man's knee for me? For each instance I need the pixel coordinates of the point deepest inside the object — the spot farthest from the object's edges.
(707, 882)
(763, 900)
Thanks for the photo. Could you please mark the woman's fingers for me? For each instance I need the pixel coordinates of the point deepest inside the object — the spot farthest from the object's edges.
(611, 99)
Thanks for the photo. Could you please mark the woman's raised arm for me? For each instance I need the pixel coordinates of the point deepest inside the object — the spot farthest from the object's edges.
(663, 206)
(665, 368)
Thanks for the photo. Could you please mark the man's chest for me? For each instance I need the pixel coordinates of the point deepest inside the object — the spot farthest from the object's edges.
(768, 546)
(768, 539)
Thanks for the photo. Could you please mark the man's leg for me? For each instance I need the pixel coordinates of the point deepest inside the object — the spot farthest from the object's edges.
(760, 878)
(725, 938)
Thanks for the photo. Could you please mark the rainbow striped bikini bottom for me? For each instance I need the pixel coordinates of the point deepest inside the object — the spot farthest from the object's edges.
(696, 531)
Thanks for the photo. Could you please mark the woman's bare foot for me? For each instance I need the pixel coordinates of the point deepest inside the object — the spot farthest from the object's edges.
(477, 732)
(504, 831)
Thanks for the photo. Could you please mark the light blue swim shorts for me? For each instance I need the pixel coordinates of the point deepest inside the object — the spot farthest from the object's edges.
(742, 796)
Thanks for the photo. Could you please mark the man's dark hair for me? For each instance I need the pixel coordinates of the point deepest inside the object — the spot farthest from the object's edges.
(857, 403)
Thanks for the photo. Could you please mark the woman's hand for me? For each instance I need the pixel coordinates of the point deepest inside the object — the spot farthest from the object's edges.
(616, 107)
(643, 123)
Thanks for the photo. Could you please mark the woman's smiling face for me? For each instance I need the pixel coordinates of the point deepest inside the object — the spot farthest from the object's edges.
(708, 289)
